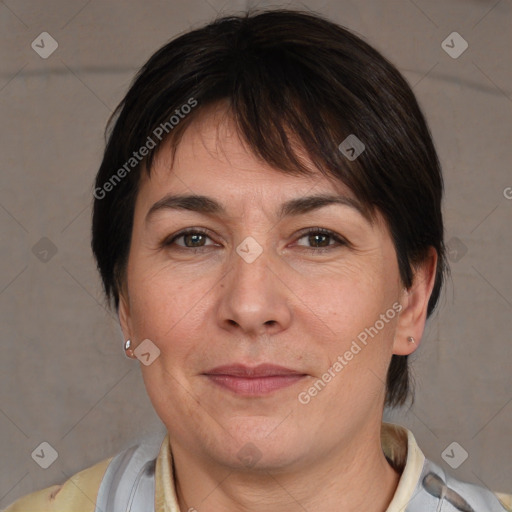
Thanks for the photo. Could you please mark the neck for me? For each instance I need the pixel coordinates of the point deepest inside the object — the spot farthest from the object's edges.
(353, 477)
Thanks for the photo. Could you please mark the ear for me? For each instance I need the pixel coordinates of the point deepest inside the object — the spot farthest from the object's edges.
(125, 316)
(414, 300)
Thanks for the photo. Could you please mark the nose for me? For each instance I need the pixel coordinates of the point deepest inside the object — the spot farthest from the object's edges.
(255, 297)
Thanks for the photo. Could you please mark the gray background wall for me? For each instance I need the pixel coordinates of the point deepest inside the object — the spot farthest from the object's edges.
(63, 376)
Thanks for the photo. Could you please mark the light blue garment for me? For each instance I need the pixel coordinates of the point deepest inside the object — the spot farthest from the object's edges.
(129, 481)
(129, 486)
(437, 491)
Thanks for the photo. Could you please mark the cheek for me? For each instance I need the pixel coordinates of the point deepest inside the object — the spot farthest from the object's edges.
(161, 299)
(171, 309)
(360, 312)
(351, 301)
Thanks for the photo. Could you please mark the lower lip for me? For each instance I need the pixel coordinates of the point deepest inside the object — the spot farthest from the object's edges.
(253, 386)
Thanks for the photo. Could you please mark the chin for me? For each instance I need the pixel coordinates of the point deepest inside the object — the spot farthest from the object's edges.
(257, 443)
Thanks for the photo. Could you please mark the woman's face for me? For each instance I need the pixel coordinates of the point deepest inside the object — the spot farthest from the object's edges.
(256, 289)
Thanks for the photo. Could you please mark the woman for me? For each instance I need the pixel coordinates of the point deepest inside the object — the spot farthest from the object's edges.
(267, 223)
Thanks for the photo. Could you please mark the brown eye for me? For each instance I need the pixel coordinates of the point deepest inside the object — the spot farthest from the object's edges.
(319, 239)
(192, 239)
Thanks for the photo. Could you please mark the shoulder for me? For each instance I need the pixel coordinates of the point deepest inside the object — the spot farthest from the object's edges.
(78, 493)
(437, 484)
(505, 500)
(425, 485)
(98, 485)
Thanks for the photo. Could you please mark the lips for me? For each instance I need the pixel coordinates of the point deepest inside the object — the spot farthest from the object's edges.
(262, 370)
(253, 381)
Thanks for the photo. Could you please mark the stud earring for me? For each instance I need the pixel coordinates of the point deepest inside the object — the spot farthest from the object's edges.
(410, 339)
(128, 349)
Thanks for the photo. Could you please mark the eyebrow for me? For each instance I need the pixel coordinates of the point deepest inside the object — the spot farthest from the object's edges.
(292, 207)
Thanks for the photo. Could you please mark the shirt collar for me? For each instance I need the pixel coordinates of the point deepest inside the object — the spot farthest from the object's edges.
(398, 444)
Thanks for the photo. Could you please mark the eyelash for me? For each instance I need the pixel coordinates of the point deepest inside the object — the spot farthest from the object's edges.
(318, 231)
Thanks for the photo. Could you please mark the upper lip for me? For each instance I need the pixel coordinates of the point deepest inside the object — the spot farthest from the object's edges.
(262, 370)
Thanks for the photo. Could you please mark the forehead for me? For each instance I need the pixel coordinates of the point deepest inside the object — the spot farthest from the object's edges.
(211, 159)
